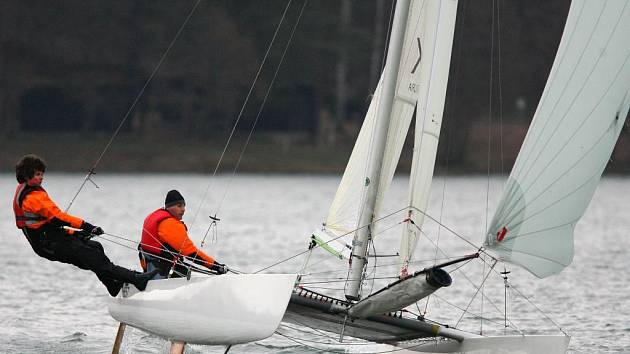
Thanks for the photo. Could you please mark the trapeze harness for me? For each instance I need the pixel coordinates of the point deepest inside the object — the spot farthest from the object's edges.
(35, 227)
(24, 219)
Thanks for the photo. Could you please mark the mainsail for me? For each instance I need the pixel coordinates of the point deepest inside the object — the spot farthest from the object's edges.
(421, 84)
(570, 140)
(434, 32)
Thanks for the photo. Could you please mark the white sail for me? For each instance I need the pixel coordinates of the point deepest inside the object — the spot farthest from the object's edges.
(343, 216)
(433, 27)
(577, 123)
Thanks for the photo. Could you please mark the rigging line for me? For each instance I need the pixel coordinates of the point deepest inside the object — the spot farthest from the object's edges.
(552, 80)
(553, 75)
(153, 255)
(325, 288)
(500, 83)
(318, 350)
(480, 250)
(483, 282)
(577, 95)
(511, 216)
(373, 268)
(333, 239)
(490, 117)
(539, 310)
(332, 272)
(403, 346)
(240, 114)
(345, 343)
(327, 350)
(386, 229)
(564, 88)
(458, 268)
(446, 227)
(325, 278)
(317, 331)
(331, 340)
(175, 254)
(343, 280)
(116, 242)
(514, 326)
(308, 266)
(135, 102)
(341, 221)
(195, 269)
(370, 151)
(450, 107)
(379, 88)
(338, 279)
(477, 292)
(380, 266)
(262, 105)
(258, 115)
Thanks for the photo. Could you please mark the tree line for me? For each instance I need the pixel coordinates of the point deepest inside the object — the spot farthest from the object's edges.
(187, 68)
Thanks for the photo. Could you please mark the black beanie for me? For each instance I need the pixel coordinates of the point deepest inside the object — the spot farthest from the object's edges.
(173, 197)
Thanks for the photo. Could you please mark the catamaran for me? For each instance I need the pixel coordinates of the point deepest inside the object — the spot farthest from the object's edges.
(573, 132)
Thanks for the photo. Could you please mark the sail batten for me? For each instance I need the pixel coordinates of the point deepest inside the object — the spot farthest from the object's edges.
(570, 140)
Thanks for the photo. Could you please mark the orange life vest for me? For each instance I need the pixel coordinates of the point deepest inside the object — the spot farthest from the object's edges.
(23, 218)
(150, 241)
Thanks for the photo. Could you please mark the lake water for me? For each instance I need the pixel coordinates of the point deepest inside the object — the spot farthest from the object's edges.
(49, 307)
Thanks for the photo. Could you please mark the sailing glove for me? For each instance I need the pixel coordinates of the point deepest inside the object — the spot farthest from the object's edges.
(90, 231)
(220, 268)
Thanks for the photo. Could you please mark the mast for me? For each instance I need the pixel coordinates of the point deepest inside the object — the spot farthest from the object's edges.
(358, 260)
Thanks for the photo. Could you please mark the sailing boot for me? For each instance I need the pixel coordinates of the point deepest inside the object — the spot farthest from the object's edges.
(141, 279)
(113, 285)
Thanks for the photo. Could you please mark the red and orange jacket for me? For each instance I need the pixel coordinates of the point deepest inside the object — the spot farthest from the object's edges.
(162, 234)
(33, 209)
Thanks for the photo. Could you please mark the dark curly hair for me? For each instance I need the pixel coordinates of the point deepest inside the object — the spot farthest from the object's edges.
(26, 167)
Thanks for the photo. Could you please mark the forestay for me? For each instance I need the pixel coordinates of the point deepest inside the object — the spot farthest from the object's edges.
(577, 123)
(422, 77)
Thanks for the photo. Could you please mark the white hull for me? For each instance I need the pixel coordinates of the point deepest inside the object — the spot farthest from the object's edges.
(211, 310)
(534, 344)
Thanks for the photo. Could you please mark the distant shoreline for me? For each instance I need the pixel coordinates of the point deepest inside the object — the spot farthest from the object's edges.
(268, 153)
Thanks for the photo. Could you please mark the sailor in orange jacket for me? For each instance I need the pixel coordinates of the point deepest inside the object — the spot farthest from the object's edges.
(165, 239)
(42, 222)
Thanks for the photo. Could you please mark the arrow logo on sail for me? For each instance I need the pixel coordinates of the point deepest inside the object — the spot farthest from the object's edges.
(419, 57)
